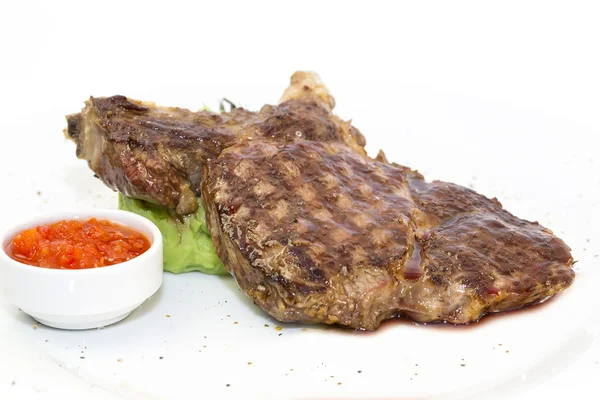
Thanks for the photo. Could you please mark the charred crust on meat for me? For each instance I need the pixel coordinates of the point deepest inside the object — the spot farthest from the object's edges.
(73, 127)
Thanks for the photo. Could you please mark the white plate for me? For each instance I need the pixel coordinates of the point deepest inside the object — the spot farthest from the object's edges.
(201, 335)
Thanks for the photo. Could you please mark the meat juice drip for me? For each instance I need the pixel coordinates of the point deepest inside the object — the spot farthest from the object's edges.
(488, 318)
(494, 316)
(413, 269)
(484, 320)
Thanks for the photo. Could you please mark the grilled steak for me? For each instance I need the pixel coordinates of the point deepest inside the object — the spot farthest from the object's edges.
(314, 230)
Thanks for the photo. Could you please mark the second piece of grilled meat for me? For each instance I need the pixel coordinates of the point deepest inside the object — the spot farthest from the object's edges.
(157, 153)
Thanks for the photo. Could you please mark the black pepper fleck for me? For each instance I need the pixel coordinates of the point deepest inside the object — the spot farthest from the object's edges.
(160, 358)
(228, 385)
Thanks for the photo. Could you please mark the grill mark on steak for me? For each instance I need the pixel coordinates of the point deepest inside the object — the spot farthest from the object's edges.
(325, 231)
(311, 228)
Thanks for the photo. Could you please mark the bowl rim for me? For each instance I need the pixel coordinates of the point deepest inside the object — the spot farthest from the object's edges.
(113, 215)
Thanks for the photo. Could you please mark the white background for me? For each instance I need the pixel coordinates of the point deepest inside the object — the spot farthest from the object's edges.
(542, 57)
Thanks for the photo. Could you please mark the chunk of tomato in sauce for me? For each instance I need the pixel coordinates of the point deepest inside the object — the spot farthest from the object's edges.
(75, 244)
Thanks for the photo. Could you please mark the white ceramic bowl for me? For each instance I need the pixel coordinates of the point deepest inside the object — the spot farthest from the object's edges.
(86, 298)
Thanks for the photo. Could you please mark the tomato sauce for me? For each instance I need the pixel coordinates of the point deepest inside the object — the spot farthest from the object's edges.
(77, 244)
